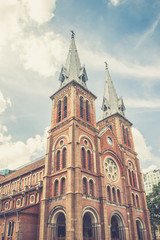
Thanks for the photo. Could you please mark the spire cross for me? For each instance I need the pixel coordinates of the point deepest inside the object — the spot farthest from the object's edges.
(106, 64)
(73, 34)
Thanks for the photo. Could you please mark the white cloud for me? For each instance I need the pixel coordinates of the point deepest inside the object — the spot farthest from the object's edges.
(144, 151)
(15, 154)
(4, 102)
(115, 3)
(142, 103)
(150, 168)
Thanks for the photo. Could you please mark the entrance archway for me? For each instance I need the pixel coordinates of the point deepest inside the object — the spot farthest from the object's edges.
(117, 229)
(87, 227)
(139, 229)
(57, 224)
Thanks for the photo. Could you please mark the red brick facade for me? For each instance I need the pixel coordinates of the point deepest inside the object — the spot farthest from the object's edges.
(89, 186)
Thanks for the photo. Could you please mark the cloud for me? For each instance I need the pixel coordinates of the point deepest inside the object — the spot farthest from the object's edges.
(143, 103)
(4, 102)
(148, 32)
(115, 3)
(144, 151)
(15, 154)
(150, 168)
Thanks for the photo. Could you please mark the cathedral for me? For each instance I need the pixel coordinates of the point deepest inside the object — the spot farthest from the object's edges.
(89, 184)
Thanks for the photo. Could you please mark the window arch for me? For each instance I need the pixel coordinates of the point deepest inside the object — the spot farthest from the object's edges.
(58, 160)
(133, 199)
(89, 159)
(63, 186)
(83, 158)
(64, 158)
(133, 178)
(84, 186)
(128, 142)
(118, 196)
(114, 194)
(81, 107)
(56, 188)
(59, 111)
(91, 190)
(124, 135)
(137, 201)
(87, 110)
(65, 106)
(130, 179)
(108, 193)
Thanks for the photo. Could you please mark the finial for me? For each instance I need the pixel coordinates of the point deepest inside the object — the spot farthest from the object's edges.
(106, 64)
(73, 34)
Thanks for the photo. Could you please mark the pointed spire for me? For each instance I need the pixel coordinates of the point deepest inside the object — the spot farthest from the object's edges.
(111, 103)
(72, 69)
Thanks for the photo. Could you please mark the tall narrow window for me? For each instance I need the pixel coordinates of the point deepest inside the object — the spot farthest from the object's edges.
(58, 160)
(133, 199)
(81, 107)
(118, 196)
(89, 159)
(137, 201)
(10, 228)
(63, 186)
(133, 178)
(127, 137)
(124, 135)
(59, 111)
(130, 179)
(56, 188)
(91, 187)
(114, 195)
(64, 158)
(87, 110)
(84, 186)
(83, 158)
(65, 107)
(108, 193)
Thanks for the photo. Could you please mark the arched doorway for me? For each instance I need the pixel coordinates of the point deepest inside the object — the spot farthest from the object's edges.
(87, 227)
(139, 229)
(91, 226)
(57, 224)
(117, 229)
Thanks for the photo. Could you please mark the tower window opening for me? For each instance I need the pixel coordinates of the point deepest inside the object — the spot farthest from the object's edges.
(127, 137)
(84, 186)
(108, 193)
(114, 195)
(64, 158)
(137, 201)
(59, 111)
(81, 107)
(10, 228)
(89, 159)
(130, 179)
(124, 135)
(83, 158)
(63, 186)
(58, 160)
(91, 188)
(65, 107)
(56, 188)
(133, 199)
(87, 110)
(118, 196)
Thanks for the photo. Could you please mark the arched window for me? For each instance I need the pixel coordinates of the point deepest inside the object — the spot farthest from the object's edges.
(124, 135)
(58, 160)
(65, 107)
(118, 196)
(63, 186)
(84, 186)
(108, 193)
(137, 201)
(89, 159)
(56, 188)
(10, 228)
(64, 158)
(127, 137)
(130, 179)
(114, 195)
(133, 199)
(133, 178)
(87, 110)
(59, 111)
(91, 188)
(83, 158)
(81, 107)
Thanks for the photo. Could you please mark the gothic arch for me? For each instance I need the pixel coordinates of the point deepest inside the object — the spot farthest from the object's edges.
(117, 226)
(140, 228)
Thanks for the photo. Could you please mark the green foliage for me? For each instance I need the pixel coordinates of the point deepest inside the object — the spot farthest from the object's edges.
(153, 202)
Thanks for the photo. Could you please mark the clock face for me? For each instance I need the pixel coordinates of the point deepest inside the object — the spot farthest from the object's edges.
(111, 169)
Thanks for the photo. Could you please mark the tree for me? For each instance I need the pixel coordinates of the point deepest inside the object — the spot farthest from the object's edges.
(153, 202)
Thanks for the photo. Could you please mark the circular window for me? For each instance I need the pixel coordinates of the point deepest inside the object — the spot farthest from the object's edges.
(18, 202)
(61, 142)
(31, 198)
(111, 169)
(85, 142)
(6, 205)
(110, 141)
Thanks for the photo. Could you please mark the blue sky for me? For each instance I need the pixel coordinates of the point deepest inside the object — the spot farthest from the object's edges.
(34, 42)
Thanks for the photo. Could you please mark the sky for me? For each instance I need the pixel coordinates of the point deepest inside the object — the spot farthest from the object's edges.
(34, 43)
